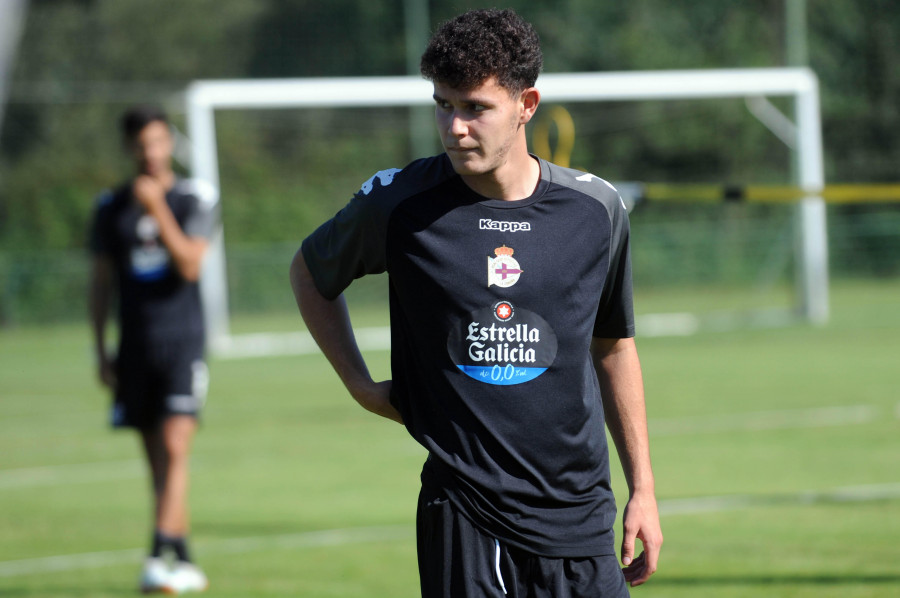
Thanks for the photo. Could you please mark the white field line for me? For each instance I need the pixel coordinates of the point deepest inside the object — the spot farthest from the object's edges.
(787, 419)
(271, 344)
(345, 537)
(317, 539)
(674, 324)
(784, 419)
(71, 562)
(710, 504)
(76, 473)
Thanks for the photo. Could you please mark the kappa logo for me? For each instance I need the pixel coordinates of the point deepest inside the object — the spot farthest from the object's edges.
(503, 270)
(506, 227)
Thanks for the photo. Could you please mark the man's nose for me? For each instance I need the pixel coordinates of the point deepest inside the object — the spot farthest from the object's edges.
(457, 125)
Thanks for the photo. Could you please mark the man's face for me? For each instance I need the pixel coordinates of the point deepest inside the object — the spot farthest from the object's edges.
(478, 126)
(152, 149)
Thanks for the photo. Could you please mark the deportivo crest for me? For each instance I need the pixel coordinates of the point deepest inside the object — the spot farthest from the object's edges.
(147, 229)
(150, 258)
(503, 270)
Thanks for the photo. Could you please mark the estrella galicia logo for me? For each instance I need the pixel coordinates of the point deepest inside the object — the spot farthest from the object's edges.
(502, 345)
(503, 311)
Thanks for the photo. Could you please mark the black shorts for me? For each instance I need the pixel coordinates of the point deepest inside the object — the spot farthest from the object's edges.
(158, 380)
(459, 560)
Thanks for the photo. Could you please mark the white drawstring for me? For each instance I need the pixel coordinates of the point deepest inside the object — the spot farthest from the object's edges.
(497, 565)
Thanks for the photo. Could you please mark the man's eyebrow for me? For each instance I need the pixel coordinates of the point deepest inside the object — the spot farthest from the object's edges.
(471, 100)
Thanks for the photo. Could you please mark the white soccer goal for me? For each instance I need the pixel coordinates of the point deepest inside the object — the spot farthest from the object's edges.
(800, 85)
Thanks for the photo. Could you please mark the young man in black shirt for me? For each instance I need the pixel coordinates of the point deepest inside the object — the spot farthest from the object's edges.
(148, 240)
(505, 374)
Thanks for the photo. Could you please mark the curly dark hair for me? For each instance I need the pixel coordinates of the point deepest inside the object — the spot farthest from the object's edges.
(137, 117)
(468, 50)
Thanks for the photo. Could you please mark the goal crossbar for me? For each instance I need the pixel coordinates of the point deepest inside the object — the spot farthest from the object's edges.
(204, 98)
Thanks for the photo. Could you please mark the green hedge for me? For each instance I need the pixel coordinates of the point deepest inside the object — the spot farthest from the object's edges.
(729, 246)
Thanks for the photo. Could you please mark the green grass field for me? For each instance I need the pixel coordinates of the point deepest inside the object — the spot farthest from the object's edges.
(777, 456)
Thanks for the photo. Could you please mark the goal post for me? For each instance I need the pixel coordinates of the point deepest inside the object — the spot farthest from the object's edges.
(204, 98)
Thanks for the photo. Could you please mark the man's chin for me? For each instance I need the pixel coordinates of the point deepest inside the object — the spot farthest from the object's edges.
(466, 167)
(154, 170)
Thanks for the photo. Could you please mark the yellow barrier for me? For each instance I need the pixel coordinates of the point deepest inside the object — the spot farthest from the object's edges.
(691, 192)
(840, 193)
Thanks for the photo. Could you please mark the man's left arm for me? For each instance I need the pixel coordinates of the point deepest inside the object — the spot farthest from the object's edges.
(621, 384)
(187, 251)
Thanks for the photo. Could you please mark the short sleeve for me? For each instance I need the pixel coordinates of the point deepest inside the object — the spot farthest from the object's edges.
(615, 312)
(354, 242)
(204, 213)
(347, 247)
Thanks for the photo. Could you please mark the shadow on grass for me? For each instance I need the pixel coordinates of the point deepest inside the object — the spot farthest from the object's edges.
(785, 579)
(762, 581)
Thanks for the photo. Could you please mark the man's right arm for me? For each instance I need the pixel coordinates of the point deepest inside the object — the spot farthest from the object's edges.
(101, 286)
(328, 321)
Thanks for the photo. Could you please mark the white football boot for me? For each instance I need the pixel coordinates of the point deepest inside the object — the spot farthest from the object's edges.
(185, 577)
(155, 575)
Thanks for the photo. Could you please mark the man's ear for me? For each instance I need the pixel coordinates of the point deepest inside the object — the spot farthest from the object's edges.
(528, 101)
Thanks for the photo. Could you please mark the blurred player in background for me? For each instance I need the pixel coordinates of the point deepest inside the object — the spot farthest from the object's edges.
(505, 374)
(148, 240)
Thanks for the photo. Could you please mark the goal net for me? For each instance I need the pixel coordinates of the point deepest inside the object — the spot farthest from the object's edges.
(679, 145)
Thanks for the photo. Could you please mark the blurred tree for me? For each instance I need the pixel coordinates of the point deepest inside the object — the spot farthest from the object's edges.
(80, 64)
(82, 61)
(854, 50)
(307, 38)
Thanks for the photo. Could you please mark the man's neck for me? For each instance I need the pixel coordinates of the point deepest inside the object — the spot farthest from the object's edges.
(514, 180)
(165, 178)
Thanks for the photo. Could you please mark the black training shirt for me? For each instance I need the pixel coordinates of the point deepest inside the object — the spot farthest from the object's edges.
(493, 308)
(155, 302)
